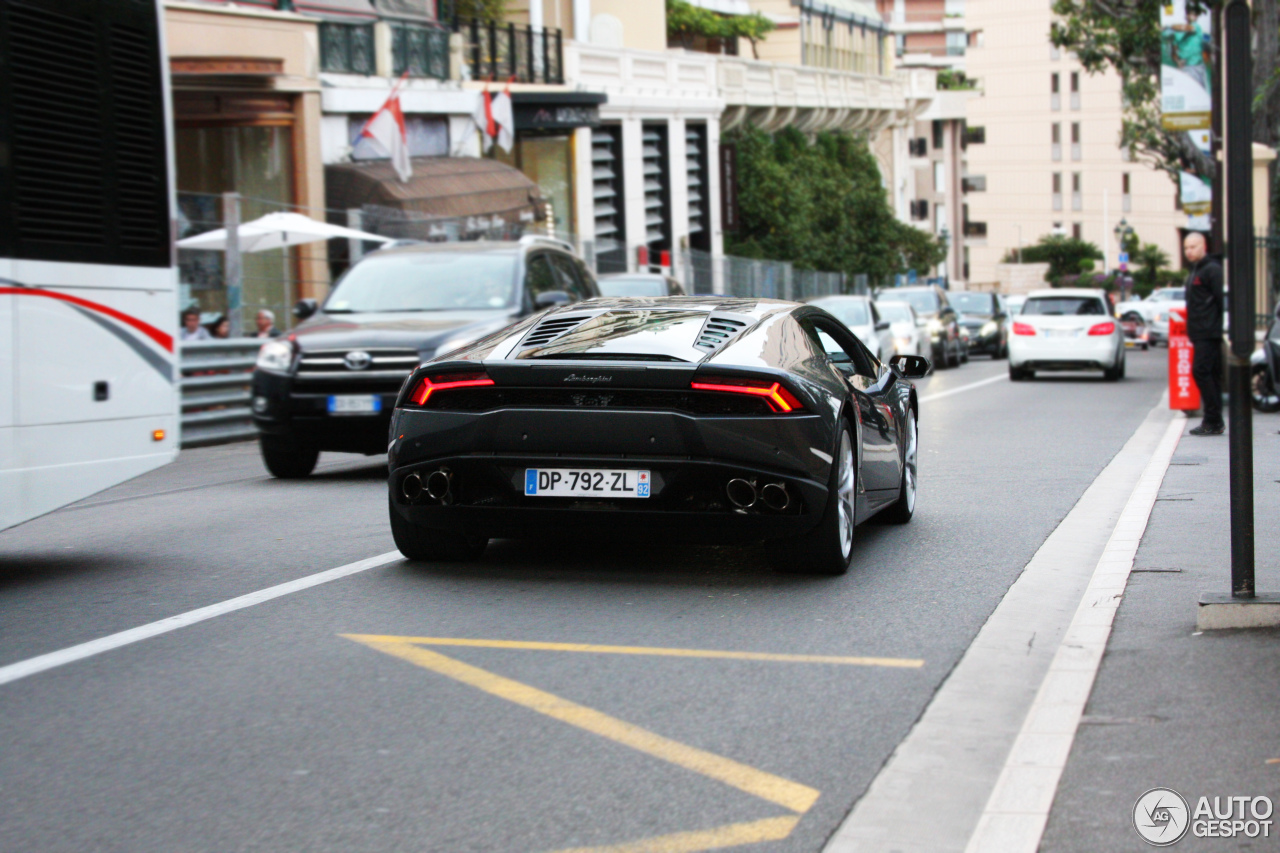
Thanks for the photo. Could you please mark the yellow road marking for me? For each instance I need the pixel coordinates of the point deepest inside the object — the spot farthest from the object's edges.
(756, 832)
(907, 663)
(791, 795)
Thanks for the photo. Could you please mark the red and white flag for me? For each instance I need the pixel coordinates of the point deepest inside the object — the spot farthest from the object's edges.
(386, 129)
(495, 118)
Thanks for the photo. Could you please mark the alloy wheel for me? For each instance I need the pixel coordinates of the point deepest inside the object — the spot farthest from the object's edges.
(845, 498)
(909, 462)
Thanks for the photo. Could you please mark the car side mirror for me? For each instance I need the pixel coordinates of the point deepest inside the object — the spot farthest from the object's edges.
(911, 366)
(882, 325)
(305, 308)
(551, 299)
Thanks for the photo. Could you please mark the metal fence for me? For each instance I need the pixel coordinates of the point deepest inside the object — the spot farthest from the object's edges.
(216, 393)
(702, 272)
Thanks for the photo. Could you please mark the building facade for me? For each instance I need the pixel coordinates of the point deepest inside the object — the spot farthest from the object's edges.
(1051, 160)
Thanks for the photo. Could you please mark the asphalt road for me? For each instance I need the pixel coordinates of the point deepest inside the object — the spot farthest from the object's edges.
(270, 728)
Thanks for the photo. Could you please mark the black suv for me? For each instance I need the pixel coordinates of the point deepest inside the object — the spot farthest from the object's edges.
(332, 383)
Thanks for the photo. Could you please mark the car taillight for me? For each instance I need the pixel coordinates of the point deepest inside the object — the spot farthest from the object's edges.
(1023, 329)
(778, 397)
(445, 382)
(1103, 329)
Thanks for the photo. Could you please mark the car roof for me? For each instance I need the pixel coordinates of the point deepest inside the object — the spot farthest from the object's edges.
(839, 297)
(706, 303)
(911, 288)
(634, 276)
(487, 246)
(1074, 292)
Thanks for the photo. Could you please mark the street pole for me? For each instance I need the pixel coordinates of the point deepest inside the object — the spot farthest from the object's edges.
(1215, 135)
(233, 276)
(1239, 210)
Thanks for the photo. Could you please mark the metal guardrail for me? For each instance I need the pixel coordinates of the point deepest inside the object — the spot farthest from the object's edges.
(216, 377)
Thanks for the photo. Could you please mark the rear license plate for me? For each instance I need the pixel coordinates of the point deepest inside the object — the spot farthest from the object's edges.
(355, 404)
(585, 483)
(1061, 333)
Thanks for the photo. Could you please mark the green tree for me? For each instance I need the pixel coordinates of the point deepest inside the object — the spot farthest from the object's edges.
(1066, 257)
(821, 205)
(685, 22)
(1147, 263)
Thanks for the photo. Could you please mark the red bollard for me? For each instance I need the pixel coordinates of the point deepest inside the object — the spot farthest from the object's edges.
(1184, 395)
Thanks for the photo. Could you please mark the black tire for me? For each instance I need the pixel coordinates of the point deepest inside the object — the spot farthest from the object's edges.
(1266, 397)
(940, 360)
(1018, 374)
(828, 548)
(286, 458)
(1115, 374)
(905, 506)
(422, 544)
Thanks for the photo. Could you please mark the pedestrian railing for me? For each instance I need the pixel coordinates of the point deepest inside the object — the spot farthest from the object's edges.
(216, 392)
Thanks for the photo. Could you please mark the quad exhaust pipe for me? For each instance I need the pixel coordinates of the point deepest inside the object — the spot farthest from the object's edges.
(743, 494)
(438, 485)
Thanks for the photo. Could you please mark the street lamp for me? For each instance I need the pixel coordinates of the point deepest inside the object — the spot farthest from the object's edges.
(1123, 232)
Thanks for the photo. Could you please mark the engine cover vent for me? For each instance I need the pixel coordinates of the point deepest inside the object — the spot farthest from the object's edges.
(552, 328)
(717, 331)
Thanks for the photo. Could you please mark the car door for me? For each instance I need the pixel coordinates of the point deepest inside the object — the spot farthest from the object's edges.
(868, 380)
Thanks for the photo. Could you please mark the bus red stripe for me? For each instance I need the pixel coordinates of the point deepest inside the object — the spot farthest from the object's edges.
(162, 338)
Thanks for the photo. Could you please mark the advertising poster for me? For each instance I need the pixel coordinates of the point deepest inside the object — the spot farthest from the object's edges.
(1185, 67)
(1196, 192)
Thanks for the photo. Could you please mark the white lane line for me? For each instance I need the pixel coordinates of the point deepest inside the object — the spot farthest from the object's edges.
(71, 654)
(1003, 377)
(1018, 810)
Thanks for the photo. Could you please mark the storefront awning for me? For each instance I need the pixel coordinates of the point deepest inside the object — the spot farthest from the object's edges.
(557, 110)
(444, 187)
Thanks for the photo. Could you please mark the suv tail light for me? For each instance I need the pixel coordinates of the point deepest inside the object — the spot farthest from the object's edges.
(1023, 329)
(429, 385)
(1103, 329)
(780, 400)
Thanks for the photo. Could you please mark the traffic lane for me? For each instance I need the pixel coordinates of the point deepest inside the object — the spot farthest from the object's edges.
(210, 526)
(918, 591)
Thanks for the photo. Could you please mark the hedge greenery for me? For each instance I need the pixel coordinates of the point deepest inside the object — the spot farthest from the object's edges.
(821, 204)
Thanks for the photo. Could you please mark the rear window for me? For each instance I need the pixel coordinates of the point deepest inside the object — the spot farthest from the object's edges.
(1064, 306)
(924, 301)
(851, 312)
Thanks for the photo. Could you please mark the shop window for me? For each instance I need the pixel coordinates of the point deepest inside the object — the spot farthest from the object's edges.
(428, 137)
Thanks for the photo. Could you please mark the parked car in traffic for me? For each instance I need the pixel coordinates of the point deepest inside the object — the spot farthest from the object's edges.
(938, 319)
(862, 318)
(908, 336)
(332, 383)
(639, 284)
(1154, 310)
(985, 317)
(1066, 329)
(1013, 303)
(1135, 330)
(700, 418)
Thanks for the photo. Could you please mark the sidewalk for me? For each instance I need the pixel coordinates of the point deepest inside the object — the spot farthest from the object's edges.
(1198, 713)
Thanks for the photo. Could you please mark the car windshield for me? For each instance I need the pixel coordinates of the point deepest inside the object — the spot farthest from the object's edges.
(1064, 306)
(427, 281)
(851, 312)
(973, 303)
(924, 301)
(1168, 294)
(633, 287)
(894, 312)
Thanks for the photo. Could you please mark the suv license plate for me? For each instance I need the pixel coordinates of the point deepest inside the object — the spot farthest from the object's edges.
(355, 404)
(585, 483)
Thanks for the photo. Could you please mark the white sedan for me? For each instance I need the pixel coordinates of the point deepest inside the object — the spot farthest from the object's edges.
(909, 337)
(1066, 329)
(859, 314)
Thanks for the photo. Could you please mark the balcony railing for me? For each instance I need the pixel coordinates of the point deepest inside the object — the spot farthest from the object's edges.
(501, 52)
(347, 48)
(419, 51)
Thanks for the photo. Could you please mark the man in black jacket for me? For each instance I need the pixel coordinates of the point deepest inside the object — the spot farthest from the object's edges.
(1204, 328)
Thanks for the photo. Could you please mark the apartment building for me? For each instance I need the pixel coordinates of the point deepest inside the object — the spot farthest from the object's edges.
(1050, 161)
(931, 185)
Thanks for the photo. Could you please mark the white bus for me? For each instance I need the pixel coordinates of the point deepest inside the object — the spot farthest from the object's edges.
(89, 377)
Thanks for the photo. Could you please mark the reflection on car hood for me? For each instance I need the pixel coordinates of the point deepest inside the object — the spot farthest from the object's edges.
(423, 331)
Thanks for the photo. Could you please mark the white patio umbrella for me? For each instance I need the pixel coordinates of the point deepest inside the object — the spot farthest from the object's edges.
(277, 231)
